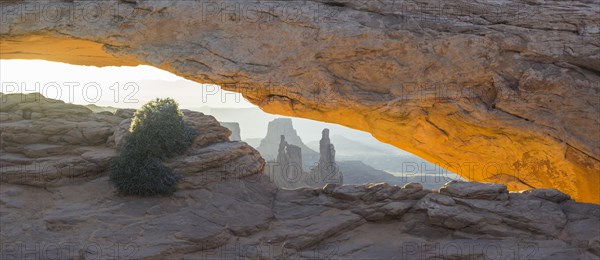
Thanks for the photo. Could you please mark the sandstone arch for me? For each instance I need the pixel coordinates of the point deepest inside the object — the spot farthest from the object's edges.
(507, 93)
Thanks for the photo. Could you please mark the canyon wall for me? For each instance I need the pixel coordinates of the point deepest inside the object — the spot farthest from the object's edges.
(234, 127)
(502, 92)
(269, 146)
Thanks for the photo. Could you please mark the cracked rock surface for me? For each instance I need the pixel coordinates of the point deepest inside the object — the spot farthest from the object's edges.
(46, 142)
(251, 218)
(225, 207)
(503, 92)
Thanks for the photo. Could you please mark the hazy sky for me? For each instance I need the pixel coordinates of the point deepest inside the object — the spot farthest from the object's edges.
(133, 86)
(110, 86)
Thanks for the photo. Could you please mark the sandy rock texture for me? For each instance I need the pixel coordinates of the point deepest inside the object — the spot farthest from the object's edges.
(249, 218)
(494, 91)
(225, 207)
(213, 157)
(46, 142)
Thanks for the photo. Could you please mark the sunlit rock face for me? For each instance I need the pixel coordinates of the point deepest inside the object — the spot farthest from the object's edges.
(501, 92)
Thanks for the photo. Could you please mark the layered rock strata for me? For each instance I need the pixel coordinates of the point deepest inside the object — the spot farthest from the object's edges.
(221, 210)
(251, 218)
(502, 92)
(46, 142)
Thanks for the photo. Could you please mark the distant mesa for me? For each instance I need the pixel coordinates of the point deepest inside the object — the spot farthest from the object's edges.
(234, 127)
(269, 146)
(358, 173)
(99, 109)
(287, 171)
(54, 158)
(254, 142)
(350, 147)
(501, 96)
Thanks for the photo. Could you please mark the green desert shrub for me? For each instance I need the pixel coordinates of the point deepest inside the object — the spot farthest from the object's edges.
(158, 129)
(157, 132)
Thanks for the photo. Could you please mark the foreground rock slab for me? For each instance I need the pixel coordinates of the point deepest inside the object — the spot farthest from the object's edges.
(248, 217)
(495, 91)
